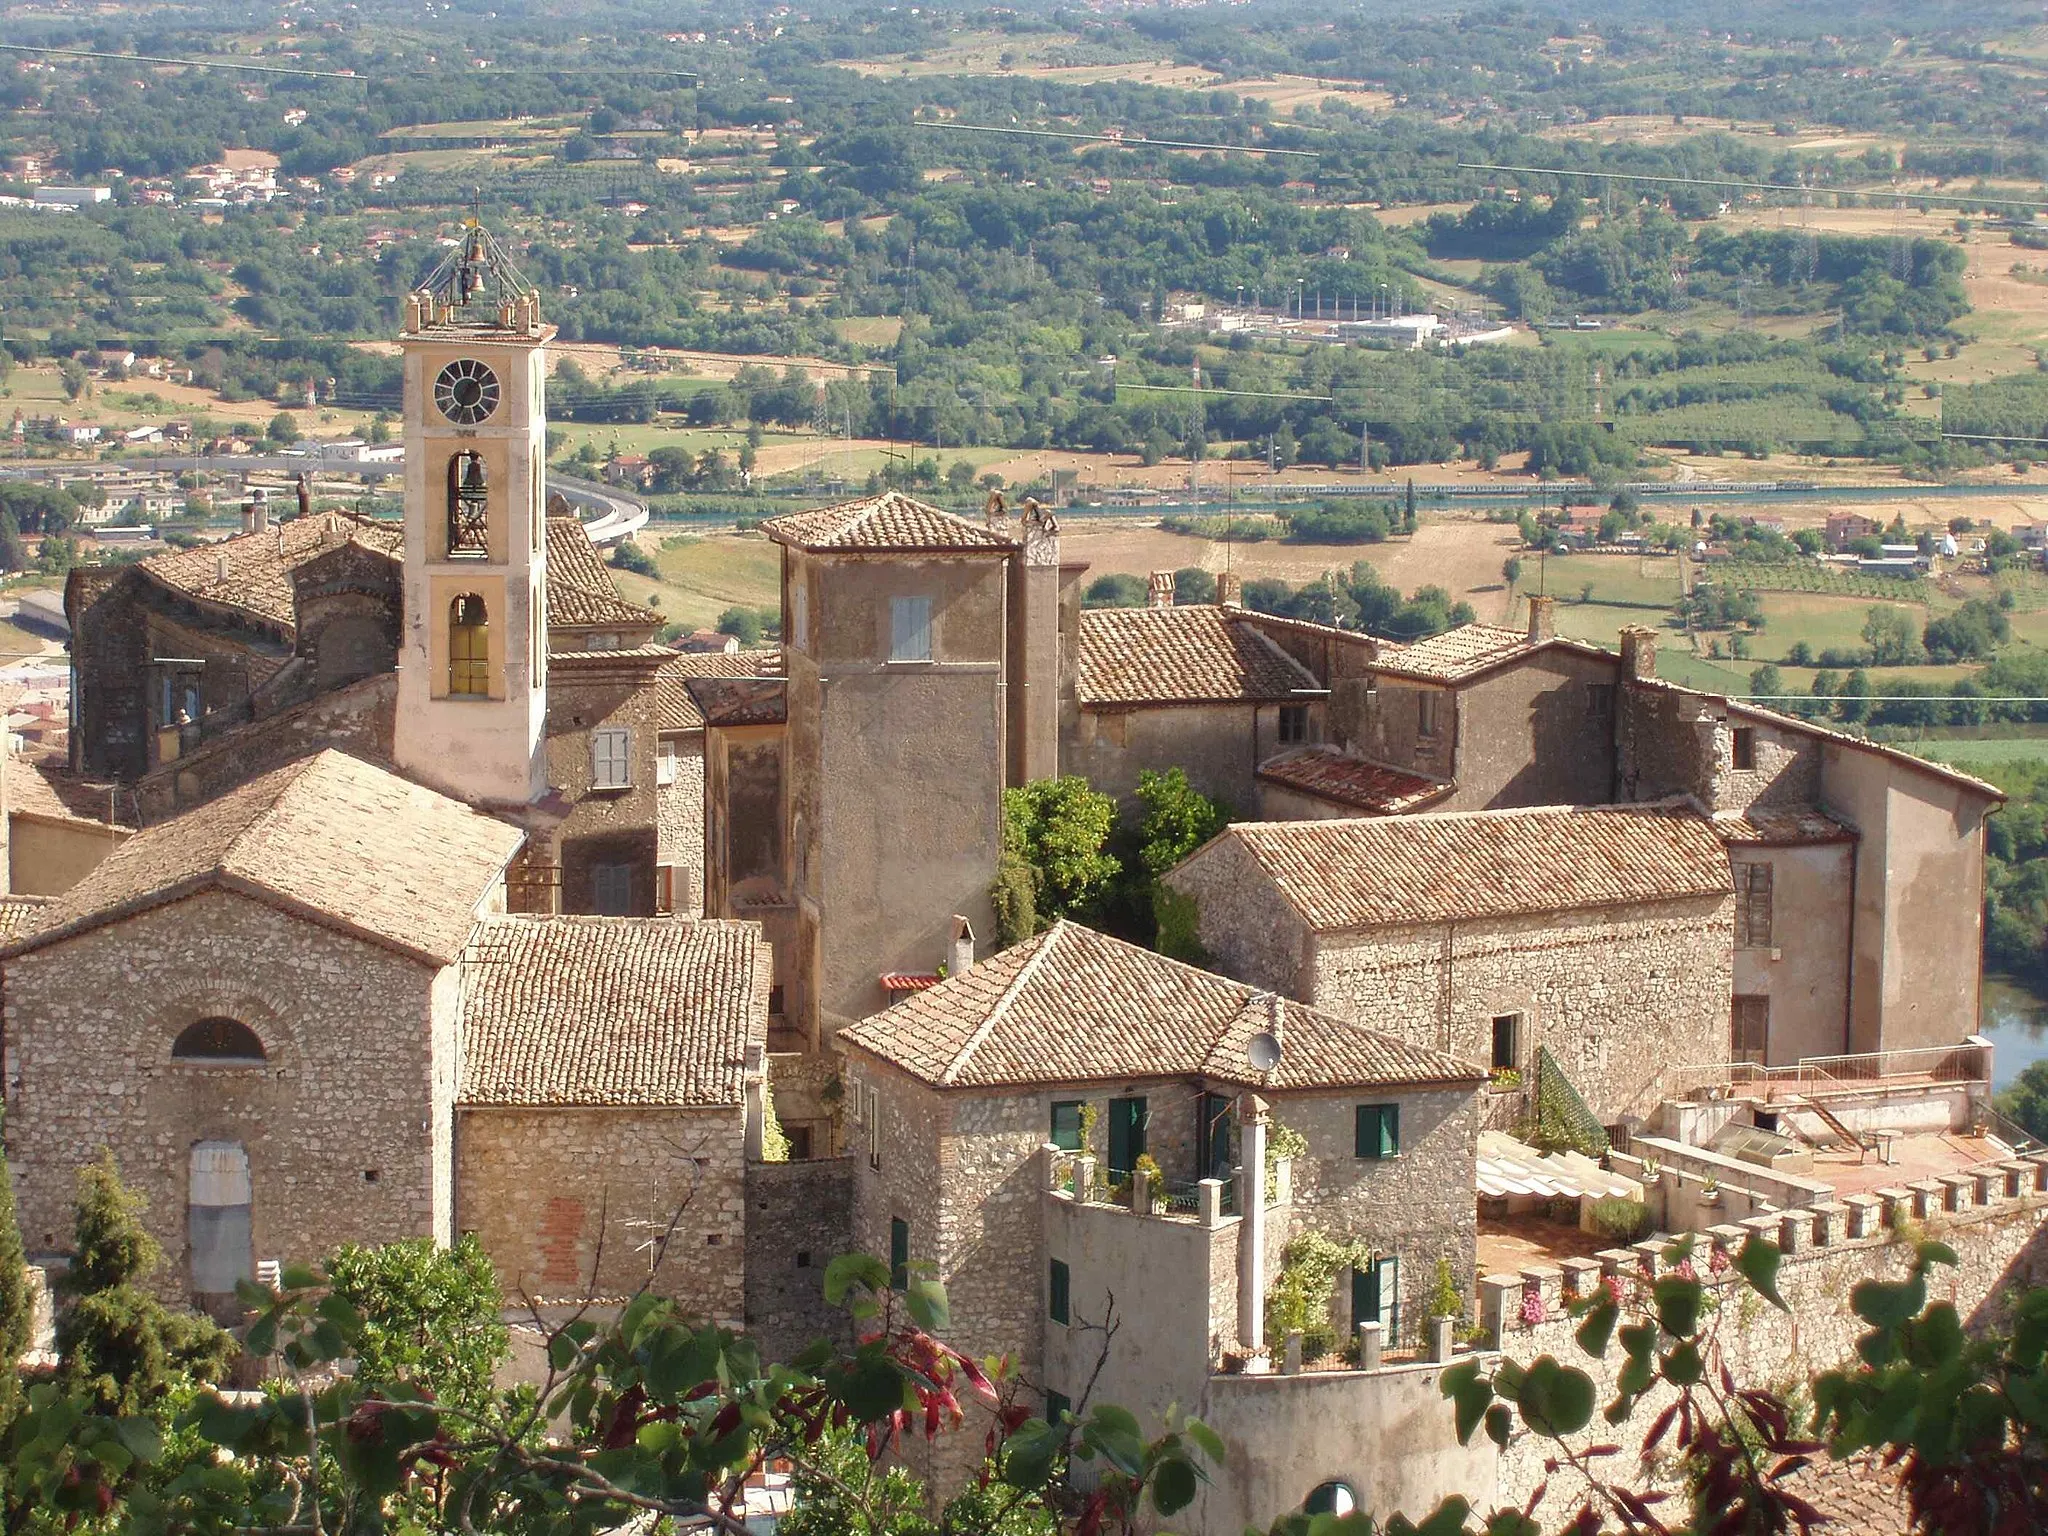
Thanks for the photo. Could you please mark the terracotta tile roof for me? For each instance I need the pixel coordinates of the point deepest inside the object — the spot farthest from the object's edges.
(1337, 776)
(888, 521)
(40, 784)
(1446, 866)
(581, 593)
(1073, 1005)
(1455, 654)
(676, 710)
(20, 915)
(331, 837)
(908, 981)
(611, 1010)
(260, 565)
(740, 700)
(1196, 654)
(1781, 826)
(1854, 1493)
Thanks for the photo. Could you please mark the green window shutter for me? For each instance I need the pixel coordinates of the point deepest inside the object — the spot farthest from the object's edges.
(899, 1252)
(1126, 1136)
(1061, 1280)
(1066, 1125)
(1378, 1132)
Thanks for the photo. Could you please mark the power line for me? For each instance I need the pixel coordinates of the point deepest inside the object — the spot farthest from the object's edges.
(1121, 140)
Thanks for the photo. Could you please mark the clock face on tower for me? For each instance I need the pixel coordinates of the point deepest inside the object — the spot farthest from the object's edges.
(466, 392)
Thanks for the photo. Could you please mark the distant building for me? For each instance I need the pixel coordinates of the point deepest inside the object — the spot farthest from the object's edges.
(70, 197)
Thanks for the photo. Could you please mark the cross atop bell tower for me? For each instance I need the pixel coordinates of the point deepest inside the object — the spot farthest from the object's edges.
(472, 676)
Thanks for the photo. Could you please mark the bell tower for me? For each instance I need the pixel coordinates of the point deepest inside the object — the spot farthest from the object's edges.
(472, 673)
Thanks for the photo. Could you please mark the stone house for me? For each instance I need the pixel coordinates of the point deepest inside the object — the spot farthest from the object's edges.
(298, 1016)
(1506, 717)
(1600, 934)
(970, 1103)
(611, 1094)
(255, 1008)
(1859, 868)
(1199, 687)
(920, 653)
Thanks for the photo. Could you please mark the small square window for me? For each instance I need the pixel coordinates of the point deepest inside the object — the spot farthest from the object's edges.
(1600, 703)
(910, 629)
(1058, 1284)
(1293, 724)
(1378, 1131)
(665, 765)
(611, 758)
(1745, 747)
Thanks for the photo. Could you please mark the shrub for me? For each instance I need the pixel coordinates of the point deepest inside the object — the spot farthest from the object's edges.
(1621, 1220)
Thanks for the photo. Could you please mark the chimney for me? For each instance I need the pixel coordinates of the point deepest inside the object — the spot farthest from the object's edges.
(220, 569)
(1160, 594)
(1542, 620)
(1229, 589)
(960, 957)
(1639, 652)
(248, 517)
(256, 516)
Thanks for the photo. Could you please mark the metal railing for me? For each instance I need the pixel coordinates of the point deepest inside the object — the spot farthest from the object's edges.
(1184, 1197)
(1960, 1063)
(2007, 1130)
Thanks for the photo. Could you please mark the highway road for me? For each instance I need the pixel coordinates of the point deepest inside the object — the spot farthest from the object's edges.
(609, 514)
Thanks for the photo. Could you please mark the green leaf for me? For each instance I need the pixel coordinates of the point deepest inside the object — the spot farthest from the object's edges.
(1556, 1399)
(1174, 1485)
(1758, 1263)
(1937, 1338)
(301, 1277)
(1499, 1424)
(1937, 1253)
(1448, 1519)
(926, 1301)
(1028, 1455)
(1678, 1305)
(872, 1389)
(1682, 1366)
(849, 1269)
(1639, 1340)
(1595, 1332)
(1206, 1439)
(145, 1442)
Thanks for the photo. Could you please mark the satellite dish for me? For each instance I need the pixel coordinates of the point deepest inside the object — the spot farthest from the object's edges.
(1264, 1051)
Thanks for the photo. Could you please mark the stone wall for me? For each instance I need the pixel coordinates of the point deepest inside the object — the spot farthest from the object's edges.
(1250, 931)
(576, 1202)
(588, 692)
(1539, 732)
(799, 1219)
(341, 1121)
(1218, 746)
(1991, 1215)
(356, 719)
(1417, 1205)
(1620, 995)
(679, 822)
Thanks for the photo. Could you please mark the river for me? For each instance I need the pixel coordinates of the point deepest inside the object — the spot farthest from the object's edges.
(2015, 1019)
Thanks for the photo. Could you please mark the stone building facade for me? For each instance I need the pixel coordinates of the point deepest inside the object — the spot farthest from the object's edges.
(963, 1093)
(1490, 935)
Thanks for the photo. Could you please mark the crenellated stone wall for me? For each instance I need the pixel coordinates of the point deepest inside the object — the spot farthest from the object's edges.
(1991, 1215)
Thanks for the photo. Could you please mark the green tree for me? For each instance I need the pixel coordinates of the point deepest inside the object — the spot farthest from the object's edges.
(1766, 682)
(1854, 704)
(1511, 569)
(1891, 636)
(282, 429)
(76, 380)
(1060, 828)
(13, 553)
(1192, 584)
(118, 1347)
(432, 1317)
(2026, 1101)
(1177, 819)
(743, 624)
